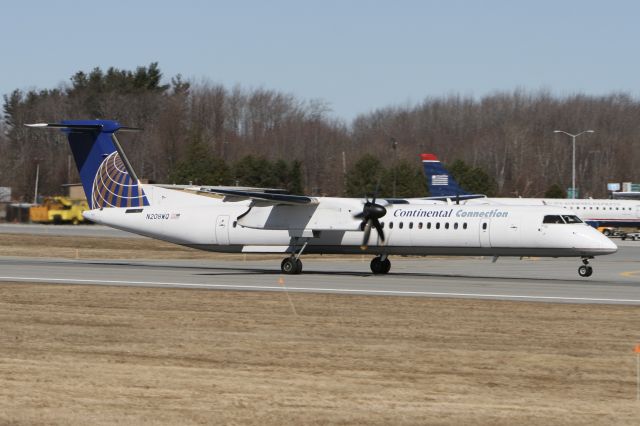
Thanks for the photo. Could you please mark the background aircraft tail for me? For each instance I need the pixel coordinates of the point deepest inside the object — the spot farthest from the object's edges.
(107, 176)
(439, 180)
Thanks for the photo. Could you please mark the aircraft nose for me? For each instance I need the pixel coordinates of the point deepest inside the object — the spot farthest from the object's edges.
(609, 245)
(597, 243)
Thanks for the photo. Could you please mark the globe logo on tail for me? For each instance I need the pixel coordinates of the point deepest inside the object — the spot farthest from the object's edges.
(113, 187)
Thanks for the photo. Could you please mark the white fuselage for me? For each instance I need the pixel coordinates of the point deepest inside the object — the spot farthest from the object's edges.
(598, 212)
(417, 227)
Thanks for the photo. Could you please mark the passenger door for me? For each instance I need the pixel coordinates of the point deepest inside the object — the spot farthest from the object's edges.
(485, 240)
(222, 230)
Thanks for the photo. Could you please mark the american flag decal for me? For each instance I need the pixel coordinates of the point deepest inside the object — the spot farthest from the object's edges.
(439, 179)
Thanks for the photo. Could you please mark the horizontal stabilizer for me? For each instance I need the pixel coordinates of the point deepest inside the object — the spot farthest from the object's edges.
(106, 126)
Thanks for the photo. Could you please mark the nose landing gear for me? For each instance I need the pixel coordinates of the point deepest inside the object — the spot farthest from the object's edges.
(585, 270)
(380, 264)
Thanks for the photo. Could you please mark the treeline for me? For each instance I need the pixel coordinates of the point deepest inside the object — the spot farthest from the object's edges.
(210, 134)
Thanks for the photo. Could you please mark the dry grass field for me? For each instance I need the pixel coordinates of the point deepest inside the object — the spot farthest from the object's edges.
(118, 355)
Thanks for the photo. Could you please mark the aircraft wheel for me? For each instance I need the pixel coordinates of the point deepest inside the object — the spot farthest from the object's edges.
(291, 265)
(379, 266)
(585, 271)
(386, 266)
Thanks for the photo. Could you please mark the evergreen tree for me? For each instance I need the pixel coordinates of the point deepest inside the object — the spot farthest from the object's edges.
(294, 184)
(555, 191)
(472, 179)
(364, 176)
(200, 167)
(280, 170)
(255, 171)
(410, 181)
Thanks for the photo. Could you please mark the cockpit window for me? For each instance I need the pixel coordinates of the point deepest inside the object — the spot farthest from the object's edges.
(571, 219)
(552, 219)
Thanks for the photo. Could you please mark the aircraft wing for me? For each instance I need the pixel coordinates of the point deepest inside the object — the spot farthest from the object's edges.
(263, 197)
(208, 188)
(455, 197)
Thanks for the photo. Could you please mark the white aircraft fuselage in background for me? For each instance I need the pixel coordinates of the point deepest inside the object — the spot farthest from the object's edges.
(596, 212)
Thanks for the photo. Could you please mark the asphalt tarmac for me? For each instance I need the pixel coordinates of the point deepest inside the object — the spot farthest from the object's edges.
(616, 278)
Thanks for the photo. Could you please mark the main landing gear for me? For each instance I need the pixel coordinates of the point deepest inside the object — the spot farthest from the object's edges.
(380, 264)
(585, 270)
(293, 264)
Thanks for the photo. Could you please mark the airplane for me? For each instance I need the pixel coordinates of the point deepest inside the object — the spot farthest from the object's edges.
(595, 212)
(251, 221)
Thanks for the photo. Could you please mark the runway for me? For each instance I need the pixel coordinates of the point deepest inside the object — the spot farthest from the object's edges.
(616, 279)
(64, 230)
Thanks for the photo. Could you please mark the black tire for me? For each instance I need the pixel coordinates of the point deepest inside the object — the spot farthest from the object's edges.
(386, 266)
(585, 271)
(377, 265)
(289, 266)
(606, 232)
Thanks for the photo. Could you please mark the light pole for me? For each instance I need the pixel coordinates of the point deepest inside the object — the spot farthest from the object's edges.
(573, 162)
(394, 146)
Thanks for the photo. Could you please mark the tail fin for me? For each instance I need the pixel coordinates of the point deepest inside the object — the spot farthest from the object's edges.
(439, 180)
(107, 176)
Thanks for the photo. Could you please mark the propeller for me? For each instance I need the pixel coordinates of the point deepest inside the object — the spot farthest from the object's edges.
(370, 215)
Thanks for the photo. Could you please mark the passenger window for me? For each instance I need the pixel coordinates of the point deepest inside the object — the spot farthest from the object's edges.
(419, 225)
(401, 225)
(455, 225)
(464, 225)
(235, 223)
(428, 225)
(410, 225)
(446, 225)
(390, 225)
(552, 219)
(437, 225)
(484, 226)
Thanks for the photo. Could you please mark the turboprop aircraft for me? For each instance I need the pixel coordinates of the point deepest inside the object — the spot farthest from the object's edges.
(595, 212)
(250, 221)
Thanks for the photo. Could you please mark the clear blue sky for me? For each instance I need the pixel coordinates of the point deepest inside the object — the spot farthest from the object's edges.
(356, 55)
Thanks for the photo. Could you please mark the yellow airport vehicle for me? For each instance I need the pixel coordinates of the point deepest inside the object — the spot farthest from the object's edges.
(59, 209)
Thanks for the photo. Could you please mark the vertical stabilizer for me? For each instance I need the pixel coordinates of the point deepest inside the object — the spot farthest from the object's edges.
(107, 177)
(439, 180)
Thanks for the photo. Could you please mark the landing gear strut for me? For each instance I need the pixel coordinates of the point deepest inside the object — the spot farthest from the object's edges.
(585, 270)
(380, 264)
(293, 264)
